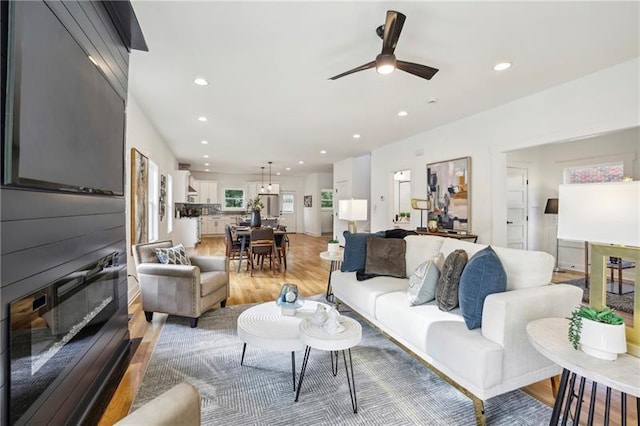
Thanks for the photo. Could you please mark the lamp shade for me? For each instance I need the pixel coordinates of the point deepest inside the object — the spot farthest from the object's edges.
(552, 206)
(600, 213)
(352, 209)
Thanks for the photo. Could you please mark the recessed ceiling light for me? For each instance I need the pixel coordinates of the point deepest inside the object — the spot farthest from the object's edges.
(288, 168)
(278, 174)
(323, 152)
(432, 100)
(93, 60)
(403, 114)
(356, 136)
(206, 170)
(204, 142)
(206, 164)
(300, 162)
(200, 81)
(203, 119)
(206, 156)
(502, 66)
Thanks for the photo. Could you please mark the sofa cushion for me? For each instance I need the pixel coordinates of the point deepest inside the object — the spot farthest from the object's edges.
(212, 281)
(176, 255)
(362, 295)
(411, 324)
(355, 250)
(421, 248)
(483, 275)
(424, 280)
(526, 268)
(385, 257)
(447, 289)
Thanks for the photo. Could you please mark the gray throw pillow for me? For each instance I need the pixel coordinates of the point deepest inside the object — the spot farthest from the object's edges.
(173, 255)
(447, 290)
(424, 280)
(386, 256)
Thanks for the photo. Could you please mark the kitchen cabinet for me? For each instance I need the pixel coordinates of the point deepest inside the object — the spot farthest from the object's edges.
(207, 192)
(214, 225)
(181, 185)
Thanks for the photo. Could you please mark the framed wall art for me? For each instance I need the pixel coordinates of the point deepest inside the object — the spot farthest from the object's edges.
(307, 201)
(449, 191)
(139, 196)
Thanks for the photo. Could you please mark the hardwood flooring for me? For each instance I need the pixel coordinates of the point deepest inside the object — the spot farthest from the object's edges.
(310, 273)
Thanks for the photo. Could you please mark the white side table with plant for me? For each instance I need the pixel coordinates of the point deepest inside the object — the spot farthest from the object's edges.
(550, 337)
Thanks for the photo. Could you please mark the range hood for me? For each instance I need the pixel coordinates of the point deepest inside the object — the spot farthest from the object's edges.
(191, 190)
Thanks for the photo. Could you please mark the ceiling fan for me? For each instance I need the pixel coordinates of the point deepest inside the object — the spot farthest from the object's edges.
(386, 61)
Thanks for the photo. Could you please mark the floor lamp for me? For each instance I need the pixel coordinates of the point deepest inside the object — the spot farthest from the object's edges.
(352, 210)
(552, 208)
(608, 216)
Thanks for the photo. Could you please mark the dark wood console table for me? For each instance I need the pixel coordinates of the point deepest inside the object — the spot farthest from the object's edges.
(457, 235)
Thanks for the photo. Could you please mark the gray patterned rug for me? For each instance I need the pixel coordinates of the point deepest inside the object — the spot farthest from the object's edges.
(619, 302)
(392, 387)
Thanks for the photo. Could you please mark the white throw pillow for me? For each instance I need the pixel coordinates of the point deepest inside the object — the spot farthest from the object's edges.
(424, 280)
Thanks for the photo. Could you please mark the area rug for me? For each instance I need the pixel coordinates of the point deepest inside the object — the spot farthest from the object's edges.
(392, 387)
(619, 302)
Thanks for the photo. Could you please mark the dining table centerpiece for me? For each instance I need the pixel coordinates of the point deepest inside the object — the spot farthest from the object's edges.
(255, 206)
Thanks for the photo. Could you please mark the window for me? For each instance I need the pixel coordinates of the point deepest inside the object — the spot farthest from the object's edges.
(153, 200)
(611, 172)
(326, 198)
(288, 202)
(169, 203)
(233, 199)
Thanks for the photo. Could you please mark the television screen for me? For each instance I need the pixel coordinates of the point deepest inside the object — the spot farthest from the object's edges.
(68, 122)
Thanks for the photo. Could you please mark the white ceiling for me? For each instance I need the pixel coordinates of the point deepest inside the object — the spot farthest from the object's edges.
(268, 64)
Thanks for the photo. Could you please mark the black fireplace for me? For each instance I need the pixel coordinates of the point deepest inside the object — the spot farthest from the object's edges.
(53, 328)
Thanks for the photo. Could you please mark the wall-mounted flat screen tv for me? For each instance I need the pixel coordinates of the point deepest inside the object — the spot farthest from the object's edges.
(66, 126)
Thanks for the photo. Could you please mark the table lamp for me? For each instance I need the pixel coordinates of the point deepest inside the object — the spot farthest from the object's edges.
(607, 216)
(421, 204)
(352, 210)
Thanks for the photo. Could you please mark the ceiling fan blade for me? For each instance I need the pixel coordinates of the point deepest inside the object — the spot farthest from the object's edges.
(360, 68)
(392, 30)
(417, 69)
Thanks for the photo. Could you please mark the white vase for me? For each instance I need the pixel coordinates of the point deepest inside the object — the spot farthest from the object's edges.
(333, 247)
(603, 341)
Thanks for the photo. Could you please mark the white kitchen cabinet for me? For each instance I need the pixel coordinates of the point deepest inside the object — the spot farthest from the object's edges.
(180, 185)
(207, 192)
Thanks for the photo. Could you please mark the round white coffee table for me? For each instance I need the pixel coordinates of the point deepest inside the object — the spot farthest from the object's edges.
(264, 327)
(336, 263)
(314, 336)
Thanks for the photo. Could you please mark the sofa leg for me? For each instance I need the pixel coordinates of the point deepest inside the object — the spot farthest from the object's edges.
(193, 322)
(223, 303)
(478, 408)
(148, 316)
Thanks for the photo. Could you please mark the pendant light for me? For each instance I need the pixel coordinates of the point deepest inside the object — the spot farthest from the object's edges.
(262, 180)
(270, 163)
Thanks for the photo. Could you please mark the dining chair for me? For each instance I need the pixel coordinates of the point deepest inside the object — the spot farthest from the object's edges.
(233, 246)
(261, 245)
(281, 249)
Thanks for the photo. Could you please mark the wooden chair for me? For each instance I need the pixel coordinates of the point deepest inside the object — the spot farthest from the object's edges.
(233, 246)
(261, 245)
(281, 249)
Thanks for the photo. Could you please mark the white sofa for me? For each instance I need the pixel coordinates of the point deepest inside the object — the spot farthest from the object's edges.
(482, 363)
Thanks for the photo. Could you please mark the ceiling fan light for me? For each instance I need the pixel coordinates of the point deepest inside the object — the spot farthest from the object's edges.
(385, 64)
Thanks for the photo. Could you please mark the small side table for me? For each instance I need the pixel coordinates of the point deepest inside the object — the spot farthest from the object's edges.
(549, 337)
(336, 263)
(315, 337)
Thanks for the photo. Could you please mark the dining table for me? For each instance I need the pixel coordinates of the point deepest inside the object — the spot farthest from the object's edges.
(244, 232)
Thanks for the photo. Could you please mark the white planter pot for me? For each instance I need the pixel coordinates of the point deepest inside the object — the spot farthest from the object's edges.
(603, 341)
(333, 247)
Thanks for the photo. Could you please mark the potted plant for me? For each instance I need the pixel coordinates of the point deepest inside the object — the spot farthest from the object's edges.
(254, 206)
(597, 332)
(402, 215)
(333, 245)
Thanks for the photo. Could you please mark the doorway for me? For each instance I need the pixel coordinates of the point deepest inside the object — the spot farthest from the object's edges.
(517, 218)
(288, 210)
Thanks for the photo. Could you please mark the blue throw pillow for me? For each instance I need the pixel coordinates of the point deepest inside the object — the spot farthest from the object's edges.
(483, 275)
(355, 250)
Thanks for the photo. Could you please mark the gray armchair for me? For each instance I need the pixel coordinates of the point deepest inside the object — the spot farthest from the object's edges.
(184, 290)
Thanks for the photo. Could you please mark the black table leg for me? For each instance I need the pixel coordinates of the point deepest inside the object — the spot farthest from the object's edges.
(623, 409)
(334, 363)
(557, 407)
(567, 404)
(244, 348)
(293, 369)
(351, 381)
(302, 370)
(592, 403)
(576, 419)
(335, 265)
(607, 406)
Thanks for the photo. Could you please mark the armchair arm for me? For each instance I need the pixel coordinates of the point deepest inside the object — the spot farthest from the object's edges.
(180, 271)
(210, 263)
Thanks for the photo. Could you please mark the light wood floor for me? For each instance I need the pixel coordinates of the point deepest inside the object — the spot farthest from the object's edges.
(310, 273)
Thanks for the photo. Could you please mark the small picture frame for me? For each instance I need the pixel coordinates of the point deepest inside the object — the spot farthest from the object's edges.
(307, 201)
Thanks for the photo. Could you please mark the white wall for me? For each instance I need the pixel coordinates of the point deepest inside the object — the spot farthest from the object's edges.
(352, 179)
(143, 136)
(315, 219)
(600, 102)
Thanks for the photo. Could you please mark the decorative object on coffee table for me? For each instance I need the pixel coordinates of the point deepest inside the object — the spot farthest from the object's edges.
(617, 236)
(288, 299)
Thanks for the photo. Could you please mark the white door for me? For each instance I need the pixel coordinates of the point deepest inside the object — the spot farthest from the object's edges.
(517, 186)
(288, 210)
